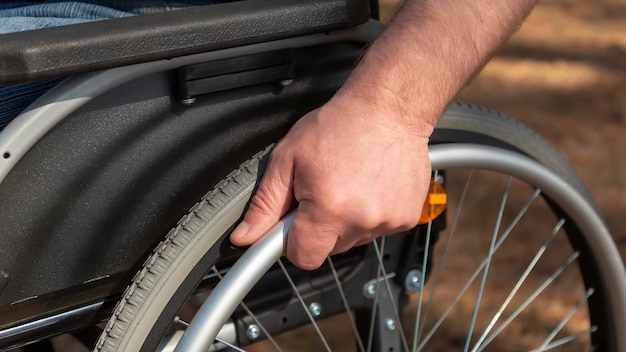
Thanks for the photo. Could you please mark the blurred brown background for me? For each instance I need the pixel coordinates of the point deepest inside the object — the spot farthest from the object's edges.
(564, 75)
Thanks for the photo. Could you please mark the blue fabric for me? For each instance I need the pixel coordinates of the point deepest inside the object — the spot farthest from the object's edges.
(23, 16)
(14, 98)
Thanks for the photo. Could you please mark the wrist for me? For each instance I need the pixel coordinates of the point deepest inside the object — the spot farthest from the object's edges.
(379, 106)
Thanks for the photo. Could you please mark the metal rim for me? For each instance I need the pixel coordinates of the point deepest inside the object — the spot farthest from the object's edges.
(206, 324)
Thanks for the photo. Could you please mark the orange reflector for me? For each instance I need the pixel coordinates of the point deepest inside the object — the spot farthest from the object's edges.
(435, 203)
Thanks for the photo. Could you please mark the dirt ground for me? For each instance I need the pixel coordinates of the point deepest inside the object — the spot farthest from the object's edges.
(564, 75)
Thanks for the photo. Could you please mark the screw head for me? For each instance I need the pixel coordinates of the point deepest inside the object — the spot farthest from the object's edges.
(286, 82)
(390, 324)
(188, 101)
(253, 331)
(315, 309)
(370, 290)
(413, 281)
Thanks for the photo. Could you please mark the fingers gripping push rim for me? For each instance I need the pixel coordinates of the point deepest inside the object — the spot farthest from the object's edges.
(228, 293)
(178, 263)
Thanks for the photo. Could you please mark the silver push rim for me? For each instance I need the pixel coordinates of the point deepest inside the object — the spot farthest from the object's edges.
(207, 323)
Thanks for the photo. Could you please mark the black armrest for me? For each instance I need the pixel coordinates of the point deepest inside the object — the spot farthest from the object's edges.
(66, 50)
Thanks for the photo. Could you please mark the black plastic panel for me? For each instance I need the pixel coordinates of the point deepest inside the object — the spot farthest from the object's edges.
(85, 206)
(219, 75)
(52, 52)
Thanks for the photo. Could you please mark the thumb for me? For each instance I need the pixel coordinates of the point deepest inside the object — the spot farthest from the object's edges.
(270, 202)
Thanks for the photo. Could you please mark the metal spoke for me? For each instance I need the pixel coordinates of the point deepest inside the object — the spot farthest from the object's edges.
(569, 338)
(370, 335)
(505, 235)
(421, 289)
(178, 320)
(346, 305)
(483, 281)
(519, 283)
(304, 306)
(236, 348)
(531, 298)
(559, 327)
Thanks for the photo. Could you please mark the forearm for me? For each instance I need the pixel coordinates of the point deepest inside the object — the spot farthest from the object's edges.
(427, 54)
(359, 166)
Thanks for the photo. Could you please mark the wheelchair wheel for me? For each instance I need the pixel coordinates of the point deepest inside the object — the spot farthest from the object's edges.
(520, 260)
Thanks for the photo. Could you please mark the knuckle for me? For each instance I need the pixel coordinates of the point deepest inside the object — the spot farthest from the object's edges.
(308, 264)
(364, 216)
(408, 221)
(334, 204)
(400, 221)
(405, 226)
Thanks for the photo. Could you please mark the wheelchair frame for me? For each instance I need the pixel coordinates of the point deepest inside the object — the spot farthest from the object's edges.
(184, 38)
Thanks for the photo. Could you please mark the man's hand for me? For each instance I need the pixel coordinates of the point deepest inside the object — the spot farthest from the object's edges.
(359, 166)
(354, 179)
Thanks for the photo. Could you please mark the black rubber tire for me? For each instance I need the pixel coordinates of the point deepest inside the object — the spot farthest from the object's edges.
(180, 261)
